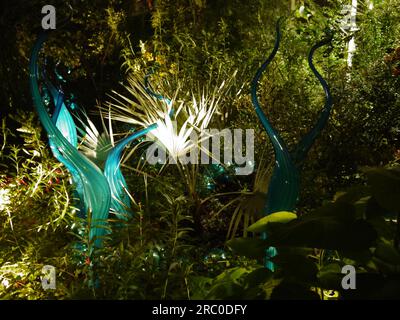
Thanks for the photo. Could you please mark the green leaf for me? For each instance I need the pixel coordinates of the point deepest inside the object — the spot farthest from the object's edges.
(387, 253)
(324, 232)
(254, 293)
(353, 194)
(296, 267)
(383, 228)
(357, 256)
(226, 290)
(233, 274)
(339, 210)
(200, 286)
(258, 276)
(292, 291)
(330, 276)
(277, 217)
(373, 209)
(249, 247)
(385, 185)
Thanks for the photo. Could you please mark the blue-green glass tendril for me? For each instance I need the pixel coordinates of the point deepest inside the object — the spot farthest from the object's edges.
(283, 190)
(120, 202)
(98, 192)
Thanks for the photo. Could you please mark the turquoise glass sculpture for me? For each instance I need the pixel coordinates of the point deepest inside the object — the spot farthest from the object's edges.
(283, 190)
(98, 192)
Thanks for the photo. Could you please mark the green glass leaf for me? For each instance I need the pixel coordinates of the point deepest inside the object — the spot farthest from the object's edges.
(280, 217)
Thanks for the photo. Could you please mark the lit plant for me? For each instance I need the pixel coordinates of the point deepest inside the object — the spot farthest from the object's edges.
(178, 120)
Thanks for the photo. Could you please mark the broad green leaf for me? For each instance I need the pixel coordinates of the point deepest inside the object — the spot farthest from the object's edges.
(258, 276)
(296, 267)
(352, 194)
(387, 253)
(279, 217)
(356, 256)
(373, 209)
(233, 274)
(293, 291)
(249, 247)
(225, 290)
(330, 276)
(324, 232)
(385, 185)
(339, 210)
(383, 228)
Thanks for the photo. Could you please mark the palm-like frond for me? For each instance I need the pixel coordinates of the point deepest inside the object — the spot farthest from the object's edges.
(248, 205)
(96, 146)
(106, 154)
(174, 129)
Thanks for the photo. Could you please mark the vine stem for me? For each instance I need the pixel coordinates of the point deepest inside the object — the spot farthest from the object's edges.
(321, 262)
(397, 239)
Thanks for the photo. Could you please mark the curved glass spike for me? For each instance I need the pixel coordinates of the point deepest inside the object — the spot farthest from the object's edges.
(283, 190)
(284, 185)
(120, 201)
(65, 123)
(305, 144)
(95, 186)
(61, 116)
(58, 102)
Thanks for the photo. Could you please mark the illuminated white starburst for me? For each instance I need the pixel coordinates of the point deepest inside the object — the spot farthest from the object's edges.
(176, 121)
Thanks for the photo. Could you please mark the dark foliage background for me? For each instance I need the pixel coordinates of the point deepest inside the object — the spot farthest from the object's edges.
(175, 246)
